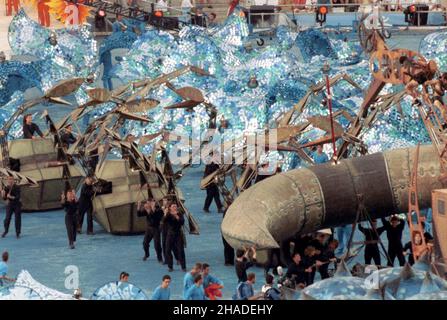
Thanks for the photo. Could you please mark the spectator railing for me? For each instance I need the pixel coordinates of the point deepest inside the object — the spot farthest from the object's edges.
(261, 19)
(397, 6)
(142, 13)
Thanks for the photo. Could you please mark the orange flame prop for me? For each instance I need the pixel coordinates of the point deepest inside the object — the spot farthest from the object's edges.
(68, 12)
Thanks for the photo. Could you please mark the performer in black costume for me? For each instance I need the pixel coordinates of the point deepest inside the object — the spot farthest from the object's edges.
(30, 128)
(394, 229)
(212, 190)
(67, 137)
(372, 236)
(174, 239)
(86, 205)
(153, 216)
(11, 194)
(70, 204)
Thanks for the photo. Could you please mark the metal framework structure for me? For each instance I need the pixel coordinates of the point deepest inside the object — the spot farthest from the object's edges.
(134, 13)
(387, 66)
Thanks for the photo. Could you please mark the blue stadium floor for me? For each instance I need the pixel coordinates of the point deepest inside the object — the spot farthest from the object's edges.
(43, 248)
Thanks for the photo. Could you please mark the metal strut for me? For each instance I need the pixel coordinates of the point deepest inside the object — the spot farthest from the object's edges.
(413, 212)
(60, 151)
(400, 67)
(134, 13)
(4, 149)
(362, 215)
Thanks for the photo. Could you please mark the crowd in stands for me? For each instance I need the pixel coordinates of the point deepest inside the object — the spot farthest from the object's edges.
(353, 5)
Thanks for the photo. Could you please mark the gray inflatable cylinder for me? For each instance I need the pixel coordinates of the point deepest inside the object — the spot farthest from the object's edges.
(306, 200)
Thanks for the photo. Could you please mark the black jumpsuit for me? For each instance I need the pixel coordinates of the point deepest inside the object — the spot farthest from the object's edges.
(228, 250)
(395, 247)
(309, 262)
(153, 220)
(30, 129)
(326, 256)
(13, 206)
(301, 242)
(212, 191)
(321, 248)
(174, 240)
(296, 272)
(241, 268)
(67, 138)
(86, 206)
(71, 210)
(371, 247)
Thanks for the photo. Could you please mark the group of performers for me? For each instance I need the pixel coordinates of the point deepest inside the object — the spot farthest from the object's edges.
(11, 195)
(11, 192)
(75, 209)
(164, 221)
(164, 224)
